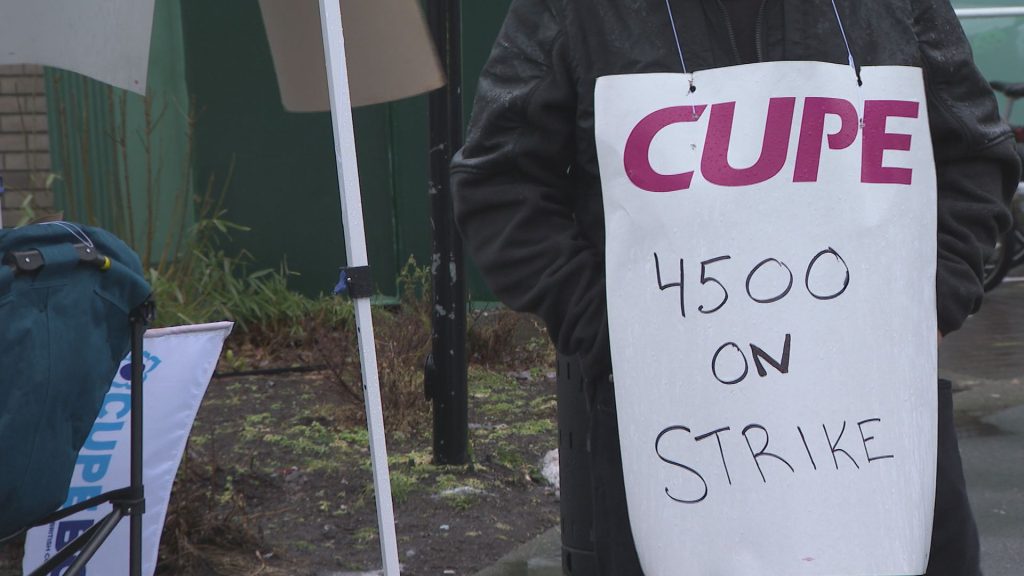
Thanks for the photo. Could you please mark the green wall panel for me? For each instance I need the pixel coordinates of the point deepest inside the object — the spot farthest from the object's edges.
(122, 160)
(407, 135)
(283, 182)
(84, 155)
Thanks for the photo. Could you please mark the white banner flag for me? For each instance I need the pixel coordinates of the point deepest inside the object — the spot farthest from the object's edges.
(771, 297)
(178, 365)
(104, 39)
(388, 50)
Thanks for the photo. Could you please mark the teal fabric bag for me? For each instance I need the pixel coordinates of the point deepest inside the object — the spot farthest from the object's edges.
(64, 330)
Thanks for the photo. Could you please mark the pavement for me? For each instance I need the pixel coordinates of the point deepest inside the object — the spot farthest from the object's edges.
(985, 361)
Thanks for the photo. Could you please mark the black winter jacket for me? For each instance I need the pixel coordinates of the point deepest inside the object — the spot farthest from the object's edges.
(526, 184)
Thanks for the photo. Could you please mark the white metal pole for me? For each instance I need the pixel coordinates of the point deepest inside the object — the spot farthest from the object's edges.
(989, 12)
(355, 244)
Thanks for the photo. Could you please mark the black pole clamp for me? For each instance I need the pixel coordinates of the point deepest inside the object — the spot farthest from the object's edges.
(355, 282)
(145, 312)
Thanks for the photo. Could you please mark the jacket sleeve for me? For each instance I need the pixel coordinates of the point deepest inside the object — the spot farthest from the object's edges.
(976, 163)
(513, 192)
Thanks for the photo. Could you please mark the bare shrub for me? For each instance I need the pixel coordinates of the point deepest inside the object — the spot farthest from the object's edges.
(501, 338)
(402, 338)
(208, 512)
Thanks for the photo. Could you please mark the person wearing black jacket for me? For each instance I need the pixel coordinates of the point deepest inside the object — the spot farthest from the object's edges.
(528, 194)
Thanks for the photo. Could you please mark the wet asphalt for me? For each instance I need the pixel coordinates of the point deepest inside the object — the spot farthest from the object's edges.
(985, 361)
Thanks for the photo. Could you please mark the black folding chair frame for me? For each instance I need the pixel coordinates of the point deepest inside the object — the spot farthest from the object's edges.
(129, 501)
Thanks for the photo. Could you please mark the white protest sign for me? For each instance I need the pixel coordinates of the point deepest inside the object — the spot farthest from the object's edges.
(178, 365)
(771, 255)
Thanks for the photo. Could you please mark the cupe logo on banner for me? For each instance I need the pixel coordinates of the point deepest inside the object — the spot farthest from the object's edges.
(771, 298)
(178, 363)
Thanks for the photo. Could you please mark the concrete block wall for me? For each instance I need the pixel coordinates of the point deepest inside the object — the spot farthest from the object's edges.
(24, 142)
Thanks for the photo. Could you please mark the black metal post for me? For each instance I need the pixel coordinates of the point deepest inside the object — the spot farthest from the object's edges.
(445, 373)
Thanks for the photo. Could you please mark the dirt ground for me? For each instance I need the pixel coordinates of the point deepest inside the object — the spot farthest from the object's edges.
(276, 480)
